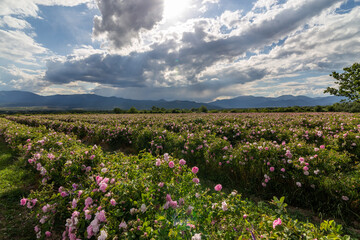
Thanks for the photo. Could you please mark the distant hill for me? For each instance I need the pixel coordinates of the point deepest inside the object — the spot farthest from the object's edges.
(282, 101)
(13, 99)
(88, 101)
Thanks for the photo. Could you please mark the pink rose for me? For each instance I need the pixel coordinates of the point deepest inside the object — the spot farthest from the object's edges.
(79, 193)
(168, 197)
(23, 201)
(101, 216)
(63, 194)
(88, 201)
(182, 162)
(195, 170)
(196, 180)
(173, 204)
(218, 187)
(113, 202)
(276, 222)
(103, 187)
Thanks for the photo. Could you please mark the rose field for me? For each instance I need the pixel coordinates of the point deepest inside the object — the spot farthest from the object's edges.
(188, 176)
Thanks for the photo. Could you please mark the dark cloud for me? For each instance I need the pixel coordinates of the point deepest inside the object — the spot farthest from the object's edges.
(202, 91)
(124, 71)
(122, 20)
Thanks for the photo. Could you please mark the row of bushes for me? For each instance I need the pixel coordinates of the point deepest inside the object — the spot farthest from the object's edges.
(85, 193)
(311, 159)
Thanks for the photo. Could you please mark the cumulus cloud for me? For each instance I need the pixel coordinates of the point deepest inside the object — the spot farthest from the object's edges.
(11, 22)
(29, 8)
(13, 77)
(18, 47)
(67, 3)
(264, 4)
(196, 51)
(122, 21)
(323, 46)
(107, 69)
(310, 86)
(22, 58)
(210, 1)
(200, 61)
(19, 7)
(202, 92)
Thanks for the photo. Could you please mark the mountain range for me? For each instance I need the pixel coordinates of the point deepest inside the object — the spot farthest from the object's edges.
(282, 101)
(14, 99)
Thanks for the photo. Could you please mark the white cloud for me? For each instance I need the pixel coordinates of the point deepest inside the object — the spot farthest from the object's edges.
(18, 7)
(231, 19)
(331, 42)
(11, 22)
(85, 51)
(18, 47)
(23, 78)
(210, 1)
(66, 3)
(29, 8)
(77, 87)
(264, 4)
(23, 58)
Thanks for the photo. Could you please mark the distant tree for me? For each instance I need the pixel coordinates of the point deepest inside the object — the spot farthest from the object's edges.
(203, 109)
(349, 83)
(118, 110)
(133, 110)
(155, 109)
(355, 107)
(330, 108)
(318, 108)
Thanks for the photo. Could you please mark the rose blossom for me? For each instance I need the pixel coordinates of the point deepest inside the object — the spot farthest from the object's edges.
(196, 180)
(218, 187)
(195, 170)
(276, 222)
(182, 162)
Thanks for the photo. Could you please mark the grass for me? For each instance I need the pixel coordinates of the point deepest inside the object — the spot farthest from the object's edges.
(15, 182)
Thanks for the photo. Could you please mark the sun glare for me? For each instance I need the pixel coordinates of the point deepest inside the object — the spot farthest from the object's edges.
(175, 8)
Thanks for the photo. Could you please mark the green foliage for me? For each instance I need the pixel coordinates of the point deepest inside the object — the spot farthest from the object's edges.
(349, 83)
(118, 110)
(132, 110)
(264, 154)
(203, 109)
(15, 222)
(318, 109)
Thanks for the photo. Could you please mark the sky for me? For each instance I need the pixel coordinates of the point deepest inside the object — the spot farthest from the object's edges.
(199, 50)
